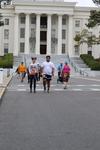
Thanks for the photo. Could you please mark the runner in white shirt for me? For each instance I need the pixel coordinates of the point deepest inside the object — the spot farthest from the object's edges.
(47, 72)
(33, 70)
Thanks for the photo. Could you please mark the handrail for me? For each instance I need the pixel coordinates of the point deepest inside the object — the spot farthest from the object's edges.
(24, 58)
(76, 68)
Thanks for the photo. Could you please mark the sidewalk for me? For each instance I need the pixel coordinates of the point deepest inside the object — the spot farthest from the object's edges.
(4, 85)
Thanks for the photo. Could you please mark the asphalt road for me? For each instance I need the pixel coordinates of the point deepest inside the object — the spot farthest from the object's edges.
(60, 120)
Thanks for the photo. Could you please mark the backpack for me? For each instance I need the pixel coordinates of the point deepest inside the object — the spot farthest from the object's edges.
(33, 71)
(66, 69)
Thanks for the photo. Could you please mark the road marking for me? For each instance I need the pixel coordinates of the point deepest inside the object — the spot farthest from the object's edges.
(39, 89)
(56, 87)
(59, 90)
(76, 89)
(95, 85)
(23, 90)
(79, 85)
(95, 89)
(20, 85)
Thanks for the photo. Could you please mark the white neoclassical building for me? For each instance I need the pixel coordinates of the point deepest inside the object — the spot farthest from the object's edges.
(43, 27)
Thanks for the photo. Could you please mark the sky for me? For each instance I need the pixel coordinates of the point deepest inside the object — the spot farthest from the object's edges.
(82, 2)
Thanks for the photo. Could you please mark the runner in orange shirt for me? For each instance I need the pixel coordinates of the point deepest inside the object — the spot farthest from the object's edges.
(22, 71)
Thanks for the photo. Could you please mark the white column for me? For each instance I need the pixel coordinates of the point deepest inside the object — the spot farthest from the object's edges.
(49, 35)
(38, 34)
(27, 34)
(70, 37)
(16, 35)
(59, 34)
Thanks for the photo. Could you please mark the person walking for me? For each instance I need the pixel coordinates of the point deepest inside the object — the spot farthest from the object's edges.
(28, 75)
(33, 70)
(48, 69)
(65, 74)
(59, 68)
(22, 71)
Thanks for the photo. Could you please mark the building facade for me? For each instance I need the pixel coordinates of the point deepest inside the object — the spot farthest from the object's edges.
(43, 27)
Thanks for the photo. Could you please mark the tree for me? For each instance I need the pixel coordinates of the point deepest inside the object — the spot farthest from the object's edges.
(94, 19)
(81, 37)
(7, 2)
(97, 2)
(84, 37)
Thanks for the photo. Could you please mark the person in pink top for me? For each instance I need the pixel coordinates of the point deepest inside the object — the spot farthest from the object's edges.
(65, 74)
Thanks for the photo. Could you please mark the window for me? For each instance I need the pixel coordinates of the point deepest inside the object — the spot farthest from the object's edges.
(54, 20)
(5, 48)
(22, 45)
(22, 19)
(43, 36)
(6, 21)
(32, 32)
(76, 50)
(77, 23)
(43, 22)
(90, 53)
(63, 48)
(63, 34)
(90, 33)
(64, 21)
(77, 32)
(6, 34)
(53, 32)
(22, 32)
(33, 20)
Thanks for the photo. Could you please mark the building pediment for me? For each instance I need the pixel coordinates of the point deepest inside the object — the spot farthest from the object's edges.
(57, 7)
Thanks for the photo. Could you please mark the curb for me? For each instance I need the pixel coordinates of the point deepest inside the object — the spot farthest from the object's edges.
(2, 93)
(4, 86)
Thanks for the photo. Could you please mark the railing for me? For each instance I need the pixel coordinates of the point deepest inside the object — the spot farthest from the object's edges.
(76, 68)
(24, 60)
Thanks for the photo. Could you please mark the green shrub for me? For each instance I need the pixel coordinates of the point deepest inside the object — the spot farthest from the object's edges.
(91, 62)
(6, 61)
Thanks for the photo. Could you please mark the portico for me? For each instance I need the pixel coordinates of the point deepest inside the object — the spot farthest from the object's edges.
(42, 31)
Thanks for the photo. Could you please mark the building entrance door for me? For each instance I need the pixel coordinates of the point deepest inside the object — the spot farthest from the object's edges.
(43, 49)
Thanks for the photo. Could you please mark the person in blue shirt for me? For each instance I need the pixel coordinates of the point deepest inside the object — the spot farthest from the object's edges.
(60, 67)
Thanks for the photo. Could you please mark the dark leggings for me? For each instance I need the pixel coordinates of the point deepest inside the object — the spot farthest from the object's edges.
(33, 81)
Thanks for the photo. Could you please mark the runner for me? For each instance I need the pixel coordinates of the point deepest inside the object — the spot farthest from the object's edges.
(60, 67)
(47, 72)
(65, 74)
(33, 70)
(22, 71)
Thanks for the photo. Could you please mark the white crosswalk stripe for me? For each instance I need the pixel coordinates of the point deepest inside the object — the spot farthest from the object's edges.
(95, 89)
(56, 87)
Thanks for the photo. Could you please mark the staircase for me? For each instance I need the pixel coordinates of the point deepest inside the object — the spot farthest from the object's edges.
(79, 66)
(18, 60)
(26, 58)
(56, 59)
(79, 62)
(76, 64)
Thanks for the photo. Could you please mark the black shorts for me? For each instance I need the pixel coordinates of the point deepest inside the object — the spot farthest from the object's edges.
(47, 77)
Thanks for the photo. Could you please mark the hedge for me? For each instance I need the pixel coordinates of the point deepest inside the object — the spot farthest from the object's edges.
(6, 61)
(90, 61)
